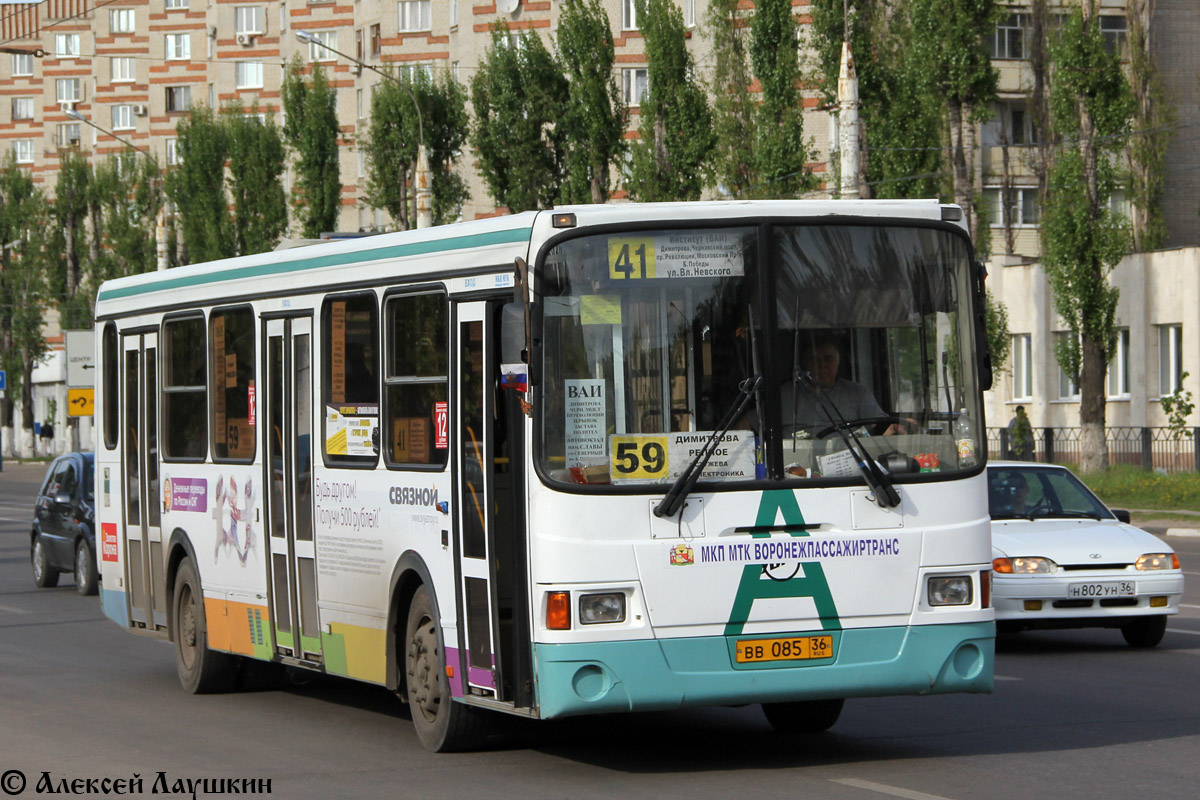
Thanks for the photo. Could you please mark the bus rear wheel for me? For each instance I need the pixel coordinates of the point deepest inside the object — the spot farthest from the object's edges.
(201, 670)
(803, 716)
(442, 725)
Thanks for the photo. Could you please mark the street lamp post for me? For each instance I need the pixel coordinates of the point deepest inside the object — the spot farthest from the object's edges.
(160, 224)
(423, 185)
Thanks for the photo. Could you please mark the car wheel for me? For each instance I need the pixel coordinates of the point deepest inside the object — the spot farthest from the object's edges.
(1144, 631)
(442, 725)
(201, 670)
(85, 569)
(44, 575)
(804, 716)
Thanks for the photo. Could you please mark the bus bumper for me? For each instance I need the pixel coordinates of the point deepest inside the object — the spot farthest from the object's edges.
(662, 674)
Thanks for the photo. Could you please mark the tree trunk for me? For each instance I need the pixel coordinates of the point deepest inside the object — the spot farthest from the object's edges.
(1092, 409)
(27, 442)
(597, 186)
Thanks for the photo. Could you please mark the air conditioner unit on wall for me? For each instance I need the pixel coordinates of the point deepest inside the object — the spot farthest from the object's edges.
(67, 105)
(245, 39)
(140, 109)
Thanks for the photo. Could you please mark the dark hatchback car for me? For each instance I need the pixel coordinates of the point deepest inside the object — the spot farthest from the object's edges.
(63, 538)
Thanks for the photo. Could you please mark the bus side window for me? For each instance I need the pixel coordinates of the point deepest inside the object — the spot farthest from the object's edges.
(232, 349)
(416, 379)
(351, 379)
(111, 380)
(185, 390)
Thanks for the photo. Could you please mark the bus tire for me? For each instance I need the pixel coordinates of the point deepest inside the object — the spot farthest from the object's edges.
(44, 575)
(442, 725)
(803, 716)
(1145, 631)
(201, 670)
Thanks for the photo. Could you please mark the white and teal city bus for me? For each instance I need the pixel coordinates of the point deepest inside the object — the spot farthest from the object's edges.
(566, 462)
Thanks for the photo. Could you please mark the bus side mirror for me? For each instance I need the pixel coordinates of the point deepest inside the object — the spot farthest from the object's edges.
(513, 338)
(982, 351)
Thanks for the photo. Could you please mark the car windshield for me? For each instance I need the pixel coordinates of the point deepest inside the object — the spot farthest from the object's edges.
(651, 335)
(1041, 493)
(89, 480)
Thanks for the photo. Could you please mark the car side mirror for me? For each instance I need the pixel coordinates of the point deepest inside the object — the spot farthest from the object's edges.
(1121, 514)
(62, 498)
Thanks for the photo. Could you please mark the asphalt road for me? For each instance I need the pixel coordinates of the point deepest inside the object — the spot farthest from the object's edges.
(1075, 714)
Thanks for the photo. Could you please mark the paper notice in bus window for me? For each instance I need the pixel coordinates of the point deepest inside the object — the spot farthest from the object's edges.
(441, 425)
(231, 371)
(240, 437)
(337, 352)
(585, 427)
(684, 254)
(410, 436)
(350, 430)
(250, 402)
(600, 309)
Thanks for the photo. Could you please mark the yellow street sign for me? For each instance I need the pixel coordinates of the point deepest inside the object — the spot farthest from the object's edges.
(81, 402)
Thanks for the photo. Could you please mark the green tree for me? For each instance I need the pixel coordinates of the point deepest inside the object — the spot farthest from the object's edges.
(127, 196)
(1091, 107)
(593, 121)
(256, 156)
(197, 187)
(733, 109)
(1153, 118)
(670, 159)
(518, 95)
(311, 129)
(392, 139)
(23, 268)
(780, 154)
(73, 195)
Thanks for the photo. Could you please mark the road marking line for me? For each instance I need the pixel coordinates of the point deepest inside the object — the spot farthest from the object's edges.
(1005, 678)
(883, 788)
(1181, 630)
(1185, 605)
(12, 610)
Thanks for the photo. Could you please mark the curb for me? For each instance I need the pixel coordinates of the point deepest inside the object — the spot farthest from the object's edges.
(1193, 533)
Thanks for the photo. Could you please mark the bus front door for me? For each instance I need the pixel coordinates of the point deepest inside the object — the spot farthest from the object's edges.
(494, 636)
(287, 408)
(144, 567)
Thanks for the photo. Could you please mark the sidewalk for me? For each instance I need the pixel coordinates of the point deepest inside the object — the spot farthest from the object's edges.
(1177, 522)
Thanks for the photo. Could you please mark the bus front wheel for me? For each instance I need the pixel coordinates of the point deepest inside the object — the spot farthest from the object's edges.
(804, 716)
(201, 670)
(442, 725)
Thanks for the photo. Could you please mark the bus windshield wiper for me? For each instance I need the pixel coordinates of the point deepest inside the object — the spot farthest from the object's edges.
(879, 480)
(683, 484)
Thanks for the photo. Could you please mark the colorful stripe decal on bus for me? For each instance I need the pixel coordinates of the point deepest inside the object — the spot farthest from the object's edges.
(510, 236)
(757, 583)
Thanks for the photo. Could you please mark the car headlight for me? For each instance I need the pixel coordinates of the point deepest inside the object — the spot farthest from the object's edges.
(951, 590)
(1033, 565)
(1152, 561)
(596, 608)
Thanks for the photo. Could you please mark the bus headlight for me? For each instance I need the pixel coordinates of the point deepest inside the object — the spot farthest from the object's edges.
(951, 590)
(596, 608)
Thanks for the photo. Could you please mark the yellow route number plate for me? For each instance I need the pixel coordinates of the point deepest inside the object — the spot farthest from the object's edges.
(631, 258)
(638, 457)
(791, 648)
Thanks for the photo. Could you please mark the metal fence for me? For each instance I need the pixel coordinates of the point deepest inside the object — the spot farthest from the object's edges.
(1148, 448)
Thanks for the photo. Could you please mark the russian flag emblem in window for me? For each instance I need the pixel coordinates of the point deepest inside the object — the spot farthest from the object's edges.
(514, 376)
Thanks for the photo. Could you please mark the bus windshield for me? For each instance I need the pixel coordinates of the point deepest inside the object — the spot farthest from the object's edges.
(859, 332)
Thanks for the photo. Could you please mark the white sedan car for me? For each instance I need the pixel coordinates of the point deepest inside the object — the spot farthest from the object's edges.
(1062, 559)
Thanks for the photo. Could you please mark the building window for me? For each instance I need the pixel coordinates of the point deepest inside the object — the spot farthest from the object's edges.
(453, 13)
(689, 13)
(1115, 30)
(250, 19)
(1022, 355)
(1119, 206)
(414, 15)
(123, 117)
(179, 98)
(414, 72)
(634, 82)
(1008, 40)
(22, 108)
(177, 3)
(375, 39)
(185, 389)
(172, 146)
(321, 44)
(417, 379)
(1068, 385)
(628, 15)
(67, 135)
(232, 360)
(1118, 368)
(179, 46)
(23, 151)
(120, 20)
(1022, 204)
(123, 69)
(1010, 125)
(359, 52)
(68, 90)
(249, 74)
(22, 64)
(358, 102)
(66, 45)
(1170, 358)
